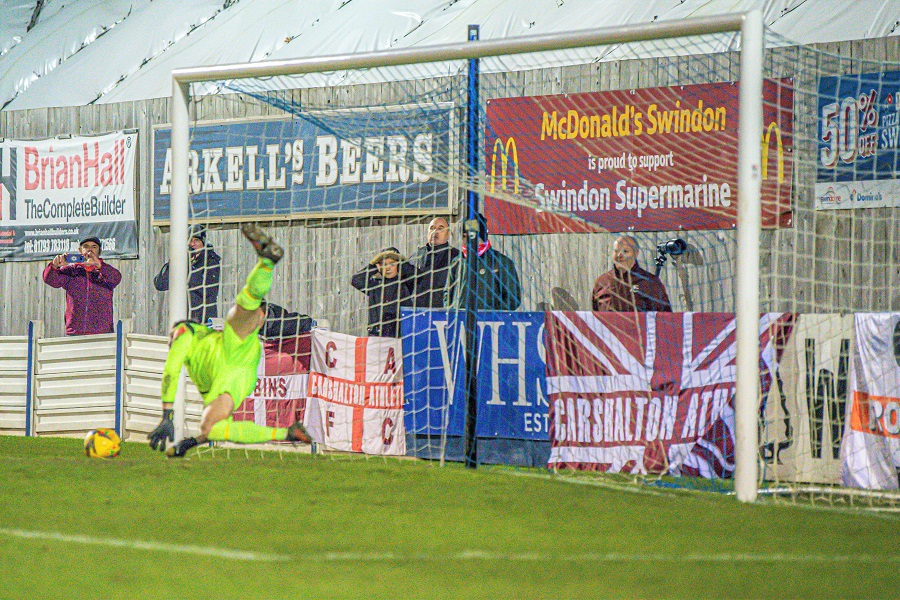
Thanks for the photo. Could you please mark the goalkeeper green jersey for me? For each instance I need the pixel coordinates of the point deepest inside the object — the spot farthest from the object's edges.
(218, 362)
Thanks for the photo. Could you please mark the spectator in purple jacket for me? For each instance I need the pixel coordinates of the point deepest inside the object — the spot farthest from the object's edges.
(89, 283)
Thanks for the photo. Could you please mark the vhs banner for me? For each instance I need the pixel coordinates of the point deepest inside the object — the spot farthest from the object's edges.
(56, 192)
(652, 159)
(337, 163)
(512, 392)
(858, 140)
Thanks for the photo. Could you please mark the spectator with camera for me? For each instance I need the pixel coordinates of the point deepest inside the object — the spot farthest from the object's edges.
(89, 282)
(203, 280)
(627, 287)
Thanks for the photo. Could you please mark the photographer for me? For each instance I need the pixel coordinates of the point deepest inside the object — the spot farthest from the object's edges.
(627, 287)
(89, 283)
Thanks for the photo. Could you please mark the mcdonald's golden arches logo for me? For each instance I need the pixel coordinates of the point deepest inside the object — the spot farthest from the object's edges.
(779, 147)
(508, 154)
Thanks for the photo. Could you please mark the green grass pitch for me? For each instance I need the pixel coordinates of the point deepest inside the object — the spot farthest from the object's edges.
(265, 525)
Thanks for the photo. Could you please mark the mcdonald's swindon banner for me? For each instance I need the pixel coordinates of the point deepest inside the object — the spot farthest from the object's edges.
(56, 192)
(870, 453)
(859, 132)
(652, 159)
(648, 393)
(355, 393)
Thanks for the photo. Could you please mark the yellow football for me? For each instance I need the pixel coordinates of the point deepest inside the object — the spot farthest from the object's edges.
(102, 443)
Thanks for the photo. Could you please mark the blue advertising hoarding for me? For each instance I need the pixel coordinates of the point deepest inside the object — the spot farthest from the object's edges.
(857, 160)
(338, 163)
(512, 388)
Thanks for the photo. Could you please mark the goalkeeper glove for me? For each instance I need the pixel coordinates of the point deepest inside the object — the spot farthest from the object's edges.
(165, 429)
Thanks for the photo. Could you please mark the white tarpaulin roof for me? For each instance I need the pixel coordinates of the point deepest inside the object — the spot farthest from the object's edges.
(84, 51)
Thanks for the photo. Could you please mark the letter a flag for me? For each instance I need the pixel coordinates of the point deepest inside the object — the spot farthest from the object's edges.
(870, 454)
(648, 392)
(355, 394)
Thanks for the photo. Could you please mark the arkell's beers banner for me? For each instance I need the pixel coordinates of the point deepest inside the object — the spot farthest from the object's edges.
(335, 163)
(56, 192)
(653, 159)
(858, 138)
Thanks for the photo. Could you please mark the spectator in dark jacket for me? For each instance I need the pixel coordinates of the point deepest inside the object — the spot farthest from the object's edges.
(627, 287)
(432, 263)
(281, 323)
(203, 278)
(89, 285)
(388, 282)
(286, 340)
(498, 281)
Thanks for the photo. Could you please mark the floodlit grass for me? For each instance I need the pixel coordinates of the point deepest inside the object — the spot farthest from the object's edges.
(141, 526)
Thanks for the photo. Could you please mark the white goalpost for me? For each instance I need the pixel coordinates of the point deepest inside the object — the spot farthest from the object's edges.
(747, 26)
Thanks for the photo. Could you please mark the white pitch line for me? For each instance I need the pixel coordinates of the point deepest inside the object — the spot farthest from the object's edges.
(612, 557)
(142, 545)
(465, 555)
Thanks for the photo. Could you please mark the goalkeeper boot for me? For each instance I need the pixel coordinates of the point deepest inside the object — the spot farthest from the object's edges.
(264, 245)
(181, 448)
(297, 433)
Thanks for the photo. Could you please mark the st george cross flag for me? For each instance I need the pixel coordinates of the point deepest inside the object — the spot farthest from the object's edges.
(870, 453)
(280, 395)
(355, 393)
(648, 392)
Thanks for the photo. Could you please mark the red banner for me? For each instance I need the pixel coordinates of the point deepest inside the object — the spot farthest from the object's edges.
(652, 159)
(280, 395)
(648, 392)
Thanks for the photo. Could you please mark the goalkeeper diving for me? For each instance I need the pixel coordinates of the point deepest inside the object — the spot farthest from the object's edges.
(223, 364)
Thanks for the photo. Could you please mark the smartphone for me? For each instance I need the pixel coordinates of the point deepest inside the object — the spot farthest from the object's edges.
(74, 257)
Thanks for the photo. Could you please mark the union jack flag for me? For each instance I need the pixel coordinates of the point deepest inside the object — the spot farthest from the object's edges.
(648, 392)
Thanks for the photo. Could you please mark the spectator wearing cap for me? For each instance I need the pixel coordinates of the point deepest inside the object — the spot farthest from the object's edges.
(89, 282)
(497, 286)
(203, 277)
(388, 280)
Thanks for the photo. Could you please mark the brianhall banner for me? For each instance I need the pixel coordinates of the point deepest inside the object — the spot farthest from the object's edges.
(652, 159)
(56, 192)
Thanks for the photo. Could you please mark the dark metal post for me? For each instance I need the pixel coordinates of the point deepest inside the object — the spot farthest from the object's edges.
(471, 233)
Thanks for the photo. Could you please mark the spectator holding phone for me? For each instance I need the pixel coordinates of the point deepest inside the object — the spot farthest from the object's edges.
(89, 283)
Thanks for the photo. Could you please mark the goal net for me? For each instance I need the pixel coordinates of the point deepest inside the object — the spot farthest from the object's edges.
(534, 255)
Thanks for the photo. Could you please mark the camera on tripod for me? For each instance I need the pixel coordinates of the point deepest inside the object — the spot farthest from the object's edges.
(675, 247)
